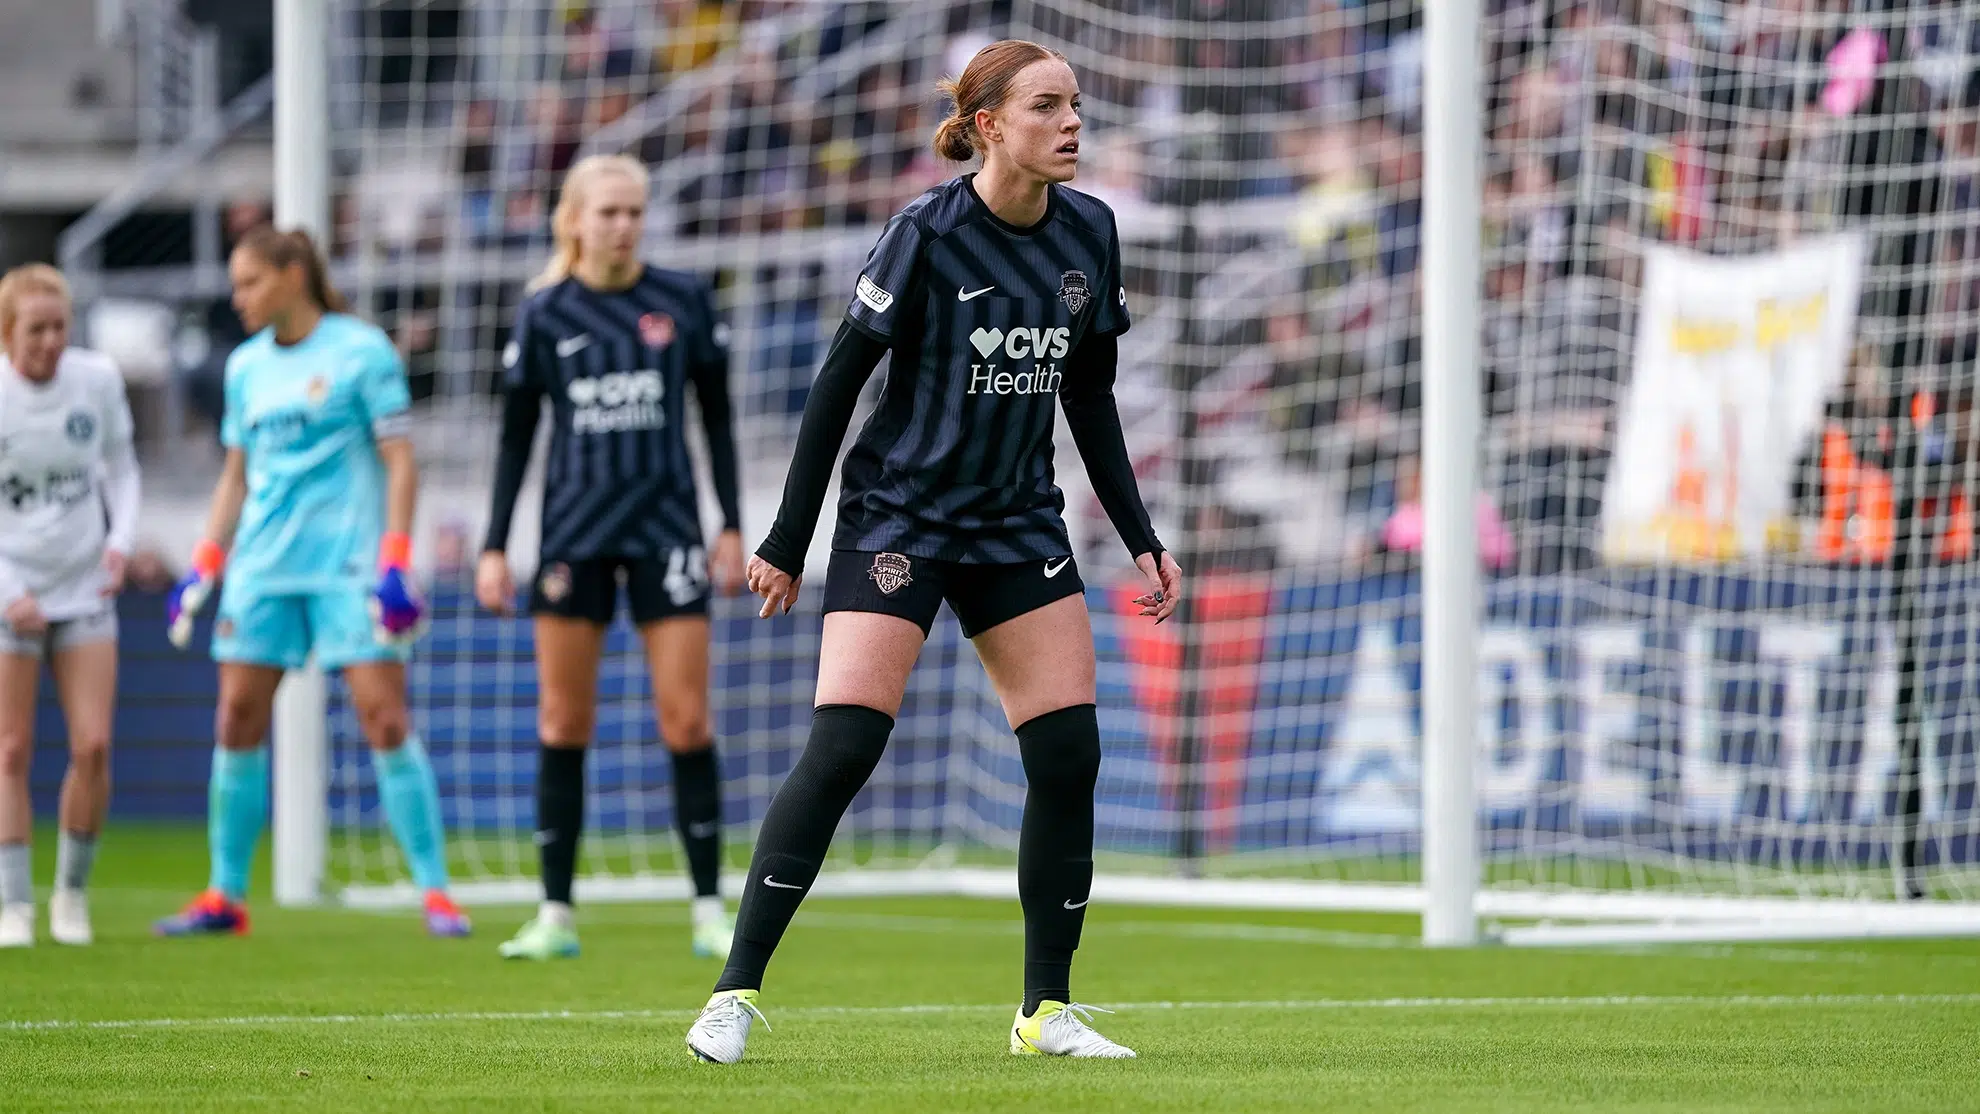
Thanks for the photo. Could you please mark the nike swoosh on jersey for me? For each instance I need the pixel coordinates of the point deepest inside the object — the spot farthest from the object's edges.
(1052, 570)
(776, 885)
(966, 295)
(571, 346)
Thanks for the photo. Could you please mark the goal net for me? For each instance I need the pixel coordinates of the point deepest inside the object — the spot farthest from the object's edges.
(1723, 481)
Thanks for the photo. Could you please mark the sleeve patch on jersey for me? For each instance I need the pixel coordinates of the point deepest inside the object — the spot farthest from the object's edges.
(511, 354)
(876, 299)
(1123, 297)
(392, 425)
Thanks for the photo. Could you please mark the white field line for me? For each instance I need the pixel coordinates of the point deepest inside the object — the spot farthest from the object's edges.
(1619, 1001)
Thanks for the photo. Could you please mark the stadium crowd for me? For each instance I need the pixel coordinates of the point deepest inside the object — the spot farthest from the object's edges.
(1612, 124)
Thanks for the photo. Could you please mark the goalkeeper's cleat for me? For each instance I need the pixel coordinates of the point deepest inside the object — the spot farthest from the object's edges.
(712, 934)
(541, 939)
(210, 914)
(17, 925)
(68, 918)
(720, 1033)
(1061, 1029)
(444, 919)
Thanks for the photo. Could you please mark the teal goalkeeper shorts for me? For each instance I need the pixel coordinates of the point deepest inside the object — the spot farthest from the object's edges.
(282, 630)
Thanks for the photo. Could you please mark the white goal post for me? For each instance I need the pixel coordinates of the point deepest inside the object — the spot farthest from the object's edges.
(1397, 278)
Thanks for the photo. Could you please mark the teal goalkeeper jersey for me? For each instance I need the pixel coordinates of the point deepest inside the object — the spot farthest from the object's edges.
(309, 417)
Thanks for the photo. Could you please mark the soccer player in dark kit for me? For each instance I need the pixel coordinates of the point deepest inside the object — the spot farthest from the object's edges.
(996, 293)
(611, 344)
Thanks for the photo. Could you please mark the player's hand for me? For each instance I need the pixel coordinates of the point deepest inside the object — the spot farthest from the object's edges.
(1164, 585)
(398, 617)
(113, 572)
(494, 588)
(189, 594)
(725, 565)
(24, 615)
(778, 588)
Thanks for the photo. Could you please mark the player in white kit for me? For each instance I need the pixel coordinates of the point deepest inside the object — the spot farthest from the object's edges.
(68, 512)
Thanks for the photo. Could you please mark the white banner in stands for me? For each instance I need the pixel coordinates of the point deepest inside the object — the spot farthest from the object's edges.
(1734, 358)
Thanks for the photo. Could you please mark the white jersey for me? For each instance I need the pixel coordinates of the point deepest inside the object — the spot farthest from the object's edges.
(68, 482)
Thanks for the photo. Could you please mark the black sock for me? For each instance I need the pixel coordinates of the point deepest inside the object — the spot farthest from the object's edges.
(698, 814)
(559, 817)
(846, 743)
(1061, 752)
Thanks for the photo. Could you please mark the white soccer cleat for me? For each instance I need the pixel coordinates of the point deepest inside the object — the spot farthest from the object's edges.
(16, 925)
(1060, 1029)
(68, 918)
(720, 1033)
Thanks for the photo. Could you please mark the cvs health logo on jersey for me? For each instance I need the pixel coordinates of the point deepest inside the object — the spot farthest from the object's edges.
(618, 401)
(1019, 344)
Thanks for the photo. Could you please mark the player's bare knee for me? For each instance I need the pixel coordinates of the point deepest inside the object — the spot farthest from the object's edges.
(89, 755)
(560, 720)
(239, 722)
(566, 728)
(687, 731)
(384, 724)
(16, 749)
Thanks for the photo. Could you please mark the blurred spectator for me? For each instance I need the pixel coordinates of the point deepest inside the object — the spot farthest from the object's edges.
(214, 330)
(149, 571)
(695, 30)
(1404, 530)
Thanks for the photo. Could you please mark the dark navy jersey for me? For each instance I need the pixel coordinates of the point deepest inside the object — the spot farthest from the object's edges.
(614, 366)
(981, 316)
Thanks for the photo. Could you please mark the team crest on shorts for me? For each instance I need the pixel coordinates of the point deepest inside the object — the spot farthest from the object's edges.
(1073, 290)
(555, 583)
(656, 329)
(79, 426)
(890, 572)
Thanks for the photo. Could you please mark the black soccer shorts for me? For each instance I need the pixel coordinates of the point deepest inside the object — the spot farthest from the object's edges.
(913, 588)
(656, 588)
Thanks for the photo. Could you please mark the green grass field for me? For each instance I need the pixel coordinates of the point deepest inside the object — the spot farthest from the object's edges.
(904, 1005)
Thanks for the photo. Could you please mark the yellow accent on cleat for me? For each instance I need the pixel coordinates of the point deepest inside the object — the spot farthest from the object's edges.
(719, 1035)
(1061, 1029)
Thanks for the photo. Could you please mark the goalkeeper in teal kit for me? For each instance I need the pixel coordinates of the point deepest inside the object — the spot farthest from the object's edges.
(317, 501)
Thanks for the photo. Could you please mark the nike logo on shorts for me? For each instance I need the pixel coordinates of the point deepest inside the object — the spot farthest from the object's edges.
(776, 885)
(966, 295)
(1054, 568)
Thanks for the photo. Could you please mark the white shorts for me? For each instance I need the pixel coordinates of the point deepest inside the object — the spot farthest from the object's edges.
(60, 635)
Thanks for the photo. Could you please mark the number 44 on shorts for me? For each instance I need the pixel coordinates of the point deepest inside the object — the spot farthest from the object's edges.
(687, 575)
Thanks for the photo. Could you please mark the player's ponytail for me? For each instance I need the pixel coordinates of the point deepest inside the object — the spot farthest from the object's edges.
(296, 248)
(983, 86)
(26, 279)
(565, 243)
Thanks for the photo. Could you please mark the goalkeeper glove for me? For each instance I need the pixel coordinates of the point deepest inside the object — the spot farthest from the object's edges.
(190, 593)
(397, 614)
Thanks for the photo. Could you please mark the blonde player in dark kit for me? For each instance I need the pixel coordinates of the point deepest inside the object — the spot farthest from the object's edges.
(611, 345)
(996, 293)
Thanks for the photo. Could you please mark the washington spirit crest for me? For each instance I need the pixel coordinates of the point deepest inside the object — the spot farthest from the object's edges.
(656, 329)
(890, 572)
(1073, 291)
(556, 582)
